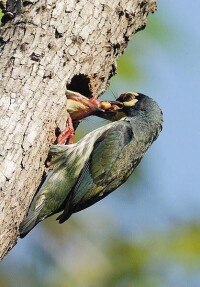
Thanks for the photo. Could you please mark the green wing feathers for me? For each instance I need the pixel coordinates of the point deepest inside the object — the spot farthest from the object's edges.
(93, 178)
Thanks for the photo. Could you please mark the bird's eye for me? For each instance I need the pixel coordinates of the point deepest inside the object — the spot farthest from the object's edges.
(128, 97)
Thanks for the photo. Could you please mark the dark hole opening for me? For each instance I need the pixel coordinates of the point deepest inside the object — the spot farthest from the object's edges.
(80, 83)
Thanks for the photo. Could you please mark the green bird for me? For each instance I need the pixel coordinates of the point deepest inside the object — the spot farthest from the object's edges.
(89, 170)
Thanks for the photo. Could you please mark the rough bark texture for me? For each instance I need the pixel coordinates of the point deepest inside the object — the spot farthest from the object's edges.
(50, 45)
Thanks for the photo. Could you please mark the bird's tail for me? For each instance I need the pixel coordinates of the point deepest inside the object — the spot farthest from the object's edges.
(30, 221)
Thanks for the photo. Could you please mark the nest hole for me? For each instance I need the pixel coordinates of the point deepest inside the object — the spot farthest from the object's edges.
(80, 83)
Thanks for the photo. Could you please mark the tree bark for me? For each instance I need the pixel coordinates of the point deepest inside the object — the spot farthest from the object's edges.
(51, 45)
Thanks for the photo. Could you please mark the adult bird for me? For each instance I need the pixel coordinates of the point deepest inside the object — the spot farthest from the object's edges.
(87, 171)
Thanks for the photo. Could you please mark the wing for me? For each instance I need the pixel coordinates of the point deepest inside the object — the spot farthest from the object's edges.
(93, 179)
(107, 149)
(68, 162)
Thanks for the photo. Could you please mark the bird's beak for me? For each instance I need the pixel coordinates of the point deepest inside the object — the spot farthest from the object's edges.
(117, 103)
(113, 110)
(80, 107)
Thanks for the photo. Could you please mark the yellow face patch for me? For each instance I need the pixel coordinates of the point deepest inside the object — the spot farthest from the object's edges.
(130, 103)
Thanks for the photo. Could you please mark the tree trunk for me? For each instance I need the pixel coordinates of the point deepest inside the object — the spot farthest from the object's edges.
(49, 46)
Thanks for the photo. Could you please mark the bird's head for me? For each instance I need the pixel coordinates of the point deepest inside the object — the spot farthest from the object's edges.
(129, 102)
(132, 103)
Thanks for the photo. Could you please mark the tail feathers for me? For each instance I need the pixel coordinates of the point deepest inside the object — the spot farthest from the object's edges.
(64, 216)
(30, 222)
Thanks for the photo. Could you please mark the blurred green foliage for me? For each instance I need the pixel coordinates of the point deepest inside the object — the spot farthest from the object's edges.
(126, 68)
(119, 263)
(1, 14)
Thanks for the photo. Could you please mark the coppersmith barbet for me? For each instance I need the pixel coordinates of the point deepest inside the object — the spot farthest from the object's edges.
(87, 171)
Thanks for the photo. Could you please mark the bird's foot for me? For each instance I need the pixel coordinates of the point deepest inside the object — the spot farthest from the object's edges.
(67, 135)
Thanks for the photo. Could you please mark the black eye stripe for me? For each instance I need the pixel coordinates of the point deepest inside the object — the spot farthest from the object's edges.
(128, 97)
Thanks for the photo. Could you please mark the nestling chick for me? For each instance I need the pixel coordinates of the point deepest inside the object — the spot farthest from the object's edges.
(80, 107)
(89, 170)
